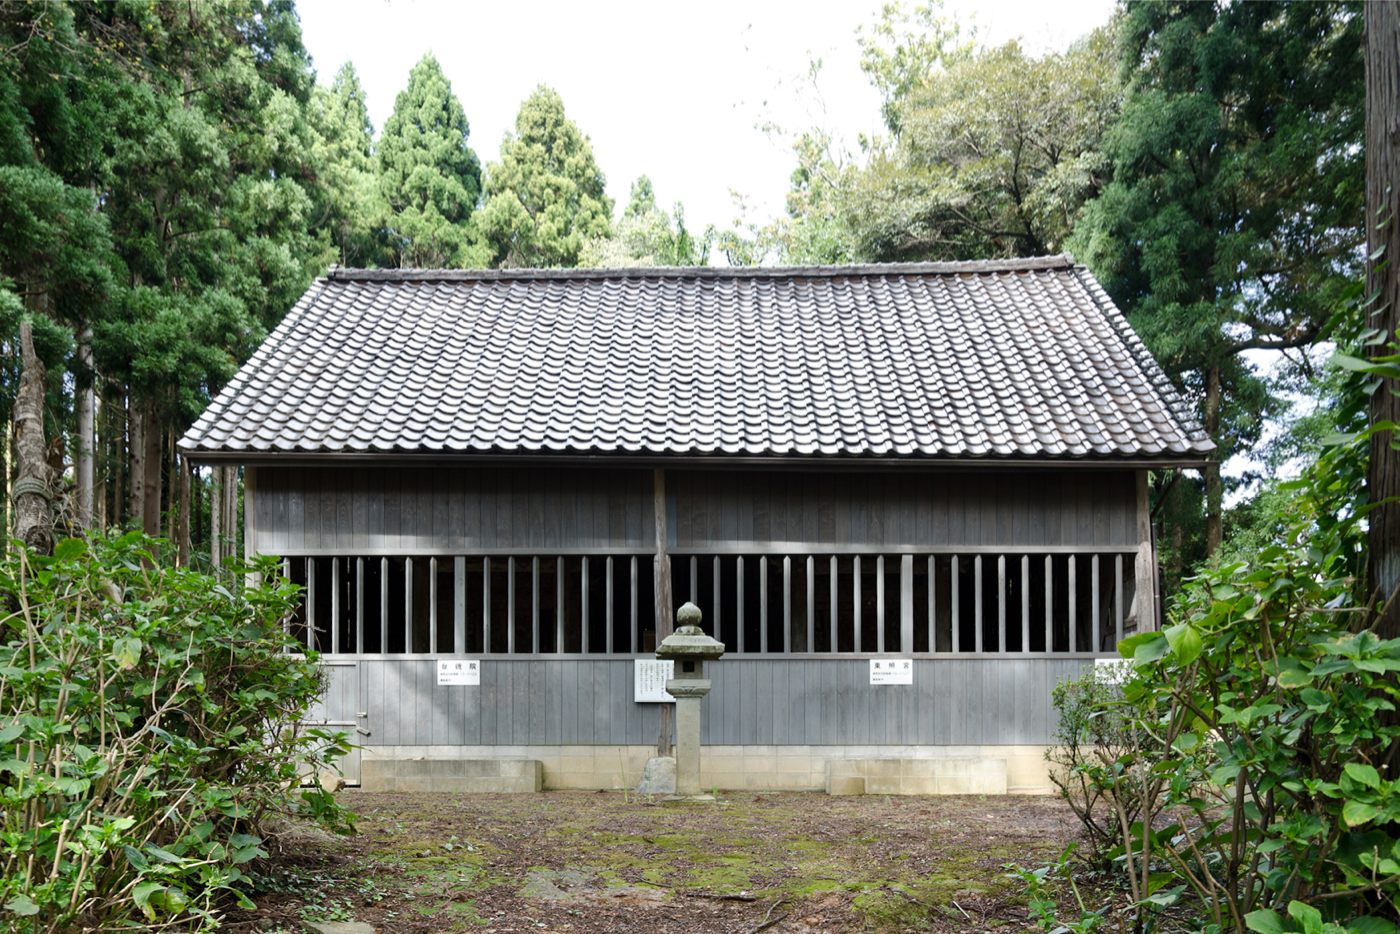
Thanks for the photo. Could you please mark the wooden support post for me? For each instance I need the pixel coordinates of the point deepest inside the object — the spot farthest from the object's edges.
(384, 605)
(1001, 603)
(359, 605)
(608, 613)
(486, 605)
(1145, 567)
(661, 578)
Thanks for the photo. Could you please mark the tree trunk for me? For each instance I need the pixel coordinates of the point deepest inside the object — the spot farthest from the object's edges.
(32, 496)
(151, 467)
(216, 519)
(85, 443)
(1215, 490)
(182, 528)
(1382, 21)
(136, 462)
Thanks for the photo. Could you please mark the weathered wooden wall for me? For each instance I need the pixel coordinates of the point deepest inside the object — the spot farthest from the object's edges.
(765, 701)
(471, 510)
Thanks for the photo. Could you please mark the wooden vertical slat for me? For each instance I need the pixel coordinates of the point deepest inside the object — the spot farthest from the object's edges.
(287, 575)
(834, 601)
(1001, 603)
(1118, 598)
(486, 604)
(1049, 604)
(408, 605)
(559, 605)
(608, 592)
(1025, 603)
(694, 579)
(432, 605)
(636, 636)
(535, 605)
(811, 645)
(359, 604)
(787, 603)
(510, 605)
(953, 586)
(906, 603)
(977, 604)
(583, 608)
(335, 605)
(763, 603)
(880, 603)
(1094, 607)
(384, 605)
(1073, 598)
(311, 603)
(932, 604)
(739, 607)
(459, 604)
(855, 601)
(714, 607)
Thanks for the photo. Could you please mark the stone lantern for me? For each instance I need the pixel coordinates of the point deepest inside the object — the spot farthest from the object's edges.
(689, 648)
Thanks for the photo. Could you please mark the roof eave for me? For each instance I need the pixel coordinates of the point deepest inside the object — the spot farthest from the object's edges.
(1190, 461)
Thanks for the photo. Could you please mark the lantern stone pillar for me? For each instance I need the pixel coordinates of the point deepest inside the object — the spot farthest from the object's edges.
(689, 648)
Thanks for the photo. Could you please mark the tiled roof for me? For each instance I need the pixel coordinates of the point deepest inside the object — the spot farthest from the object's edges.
(994, 360)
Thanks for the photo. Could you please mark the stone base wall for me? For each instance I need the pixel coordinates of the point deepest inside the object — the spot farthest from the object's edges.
(962, 769)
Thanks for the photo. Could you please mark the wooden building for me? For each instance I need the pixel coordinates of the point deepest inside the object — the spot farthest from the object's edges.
(940, 463)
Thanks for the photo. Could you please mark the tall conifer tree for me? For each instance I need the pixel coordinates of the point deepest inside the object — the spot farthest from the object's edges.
(352, 206)
(546, 197)
(430, 178)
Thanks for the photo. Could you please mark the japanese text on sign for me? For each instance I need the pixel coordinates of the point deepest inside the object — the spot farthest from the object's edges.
(891, 671)
(459, 671)
(649, 681)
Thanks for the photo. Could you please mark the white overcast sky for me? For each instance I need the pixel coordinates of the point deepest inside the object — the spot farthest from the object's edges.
(677, 92)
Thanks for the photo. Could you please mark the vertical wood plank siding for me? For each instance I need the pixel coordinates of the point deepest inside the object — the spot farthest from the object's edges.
(818, 702)
(465, 510)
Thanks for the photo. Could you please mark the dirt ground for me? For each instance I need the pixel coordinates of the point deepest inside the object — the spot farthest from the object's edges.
(586, 862)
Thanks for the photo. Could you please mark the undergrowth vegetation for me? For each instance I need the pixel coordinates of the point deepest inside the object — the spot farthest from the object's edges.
(149, 734)
(1240, 777)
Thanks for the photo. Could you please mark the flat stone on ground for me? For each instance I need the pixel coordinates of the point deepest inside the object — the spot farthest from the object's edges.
(339, 927)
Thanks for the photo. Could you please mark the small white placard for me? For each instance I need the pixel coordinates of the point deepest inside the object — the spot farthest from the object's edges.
(891, 671)
(459, 671)
(649, 680)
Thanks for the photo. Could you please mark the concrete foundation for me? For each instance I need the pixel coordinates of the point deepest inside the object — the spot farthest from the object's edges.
(949, 769)
(944, 775)
(452, 774)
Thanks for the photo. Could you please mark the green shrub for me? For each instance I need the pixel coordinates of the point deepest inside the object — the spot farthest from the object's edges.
(1267, 721)
(1096, 762)
(148, 730)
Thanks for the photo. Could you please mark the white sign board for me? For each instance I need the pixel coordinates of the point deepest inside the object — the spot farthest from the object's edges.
(891, 671)
(649, 677)
(459, 671)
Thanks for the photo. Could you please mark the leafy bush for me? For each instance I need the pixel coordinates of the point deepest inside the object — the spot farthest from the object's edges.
(147, 732)
(1096, 763)
(1267, 712)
